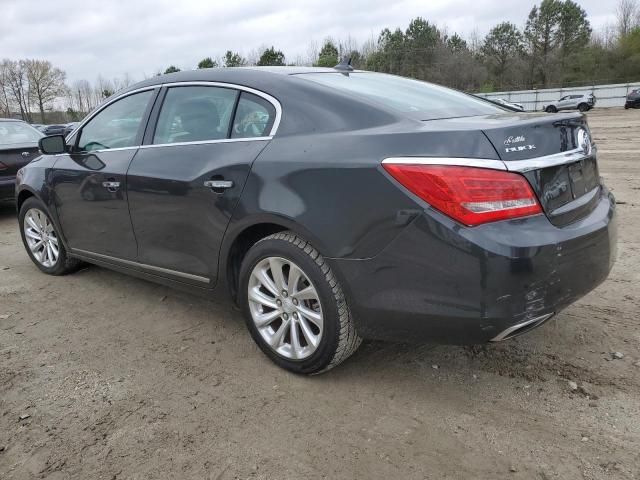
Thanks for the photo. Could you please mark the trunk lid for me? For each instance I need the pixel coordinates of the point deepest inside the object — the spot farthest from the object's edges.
(547, 150)
(15, 156)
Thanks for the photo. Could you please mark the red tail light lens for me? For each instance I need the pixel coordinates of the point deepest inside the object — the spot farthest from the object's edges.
(3, 166)
(470, 195)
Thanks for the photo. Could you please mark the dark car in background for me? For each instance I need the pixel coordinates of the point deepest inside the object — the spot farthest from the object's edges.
(70, 127)
(57, 129)
(633, 99)
(331, 204)
(18, 146)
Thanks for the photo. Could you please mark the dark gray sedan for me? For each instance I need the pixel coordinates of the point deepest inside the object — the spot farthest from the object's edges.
(332, 204)
(18, 146)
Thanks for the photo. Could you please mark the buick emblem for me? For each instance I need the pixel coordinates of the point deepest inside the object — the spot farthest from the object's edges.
(584, 141)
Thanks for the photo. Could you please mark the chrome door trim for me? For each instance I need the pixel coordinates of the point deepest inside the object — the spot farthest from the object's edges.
(144, 266)
(219, 184)
(204, 142)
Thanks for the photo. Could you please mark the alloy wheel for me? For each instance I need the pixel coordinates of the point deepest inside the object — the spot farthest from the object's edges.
(285, 308)
(41, 237)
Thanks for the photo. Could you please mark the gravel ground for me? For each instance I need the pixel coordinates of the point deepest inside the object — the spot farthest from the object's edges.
(106, 376)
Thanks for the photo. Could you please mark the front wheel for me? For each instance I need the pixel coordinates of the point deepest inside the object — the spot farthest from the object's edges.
(294, 306)
(42, 240)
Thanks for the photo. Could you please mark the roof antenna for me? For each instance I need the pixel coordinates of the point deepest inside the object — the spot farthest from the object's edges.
(344, 65)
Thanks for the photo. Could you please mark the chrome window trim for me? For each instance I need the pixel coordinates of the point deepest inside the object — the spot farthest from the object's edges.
(449, 161)
(204, 142)
(189, 276)
(272, 100)
(102, 107)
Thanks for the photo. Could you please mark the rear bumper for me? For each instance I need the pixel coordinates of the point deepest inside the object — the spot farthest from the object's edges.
(441, 282)
(7, 189)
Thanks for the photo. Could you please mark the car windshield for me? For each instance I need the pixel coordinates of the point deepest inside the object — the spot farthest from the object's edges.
(18, 132)
(421, 100)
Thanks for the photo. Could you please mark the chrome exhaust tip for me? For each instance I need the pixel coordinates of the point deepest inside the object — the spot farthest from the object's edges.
(522, 327)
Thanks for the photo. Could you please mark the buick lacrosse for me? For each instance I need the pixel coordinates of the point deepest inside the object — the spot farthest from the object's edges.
(332, 204)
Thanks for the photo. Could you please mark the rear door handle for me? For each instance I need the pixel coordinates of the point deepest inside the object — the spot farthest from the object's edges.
(111, 186)
(218, 184)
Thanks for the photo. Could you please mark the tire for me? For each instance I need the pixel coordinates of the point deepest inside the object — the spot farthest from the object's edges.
(551, 109)
(33, 210)
(583, 107)
(626, 107)
(335, 334)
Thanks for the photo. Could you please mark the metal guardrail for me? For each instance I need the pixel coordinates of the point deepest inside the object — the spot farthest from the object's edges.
(613, 95)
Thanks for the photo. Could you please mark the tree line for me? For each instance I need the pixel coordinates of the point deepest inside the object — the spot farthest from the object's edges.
(556, 46)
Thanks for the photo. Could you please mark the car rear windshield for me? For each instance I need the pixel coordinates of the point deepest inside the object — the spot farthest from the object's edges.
(18, 132)
(421, 100)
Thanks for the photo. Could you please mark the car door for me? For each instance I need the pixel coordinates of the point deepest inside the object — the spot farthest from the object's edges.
(188, 176)
(563, 102)
(89, 183)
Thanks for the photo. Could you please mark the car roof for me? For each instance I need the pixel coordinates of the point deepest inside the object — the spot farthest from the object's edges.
(262, 78)
(11, 120)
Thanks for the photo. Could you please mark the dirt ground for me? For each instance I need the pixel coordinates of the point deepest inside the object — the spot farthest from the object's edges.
(103, 376)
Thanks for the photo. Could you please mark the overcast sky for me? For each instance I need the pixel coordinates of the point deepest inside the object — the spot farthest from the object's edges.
(110, 37)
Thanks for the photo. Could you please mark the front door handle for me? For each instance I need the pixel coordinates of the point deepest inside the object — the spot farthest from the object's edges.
(111, 186)
(218, 184)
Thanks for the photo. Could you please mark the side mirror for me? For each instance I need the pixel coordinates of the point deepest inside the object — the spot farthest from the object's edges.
(52, 145)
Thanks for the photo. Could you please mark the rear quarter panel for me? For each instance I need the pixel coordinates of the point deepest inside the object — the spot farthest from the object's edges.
(331, 187)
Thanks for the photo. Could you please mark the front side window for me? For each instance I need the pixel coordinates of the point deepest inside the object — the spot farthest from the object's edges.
(420, 100)
(116, 126)
(254, 117)
(195, 114)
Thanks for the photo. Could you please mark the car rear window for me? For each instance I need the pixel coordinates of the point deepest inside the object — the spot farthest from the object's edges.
(18, 132)
(421, 100)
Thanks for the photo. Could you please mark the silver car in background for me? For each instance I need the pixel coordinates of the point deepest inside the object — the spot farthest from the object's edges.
(582, 102)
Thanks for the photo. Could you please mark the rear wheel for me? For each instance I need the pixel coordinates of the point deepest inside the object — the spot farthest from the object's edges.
(294, 307)
(551, 109)
(42, 240)
(583, 107)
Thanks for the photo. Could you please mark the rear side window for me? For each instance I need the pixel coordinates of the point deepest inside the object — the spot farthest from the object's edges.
(254, 117)
(116, 126)
(420, 100)
(195, 114)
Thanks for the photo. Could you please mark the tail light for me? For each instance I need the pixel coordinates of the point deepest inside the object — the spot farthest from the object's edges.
(470, 195)
(3, 166)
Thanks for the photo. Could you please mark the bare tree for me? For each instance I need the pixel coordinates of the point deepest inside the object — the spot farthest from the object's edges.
(627, 14)
(5, 105)
(17, 85)
(46, 83)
